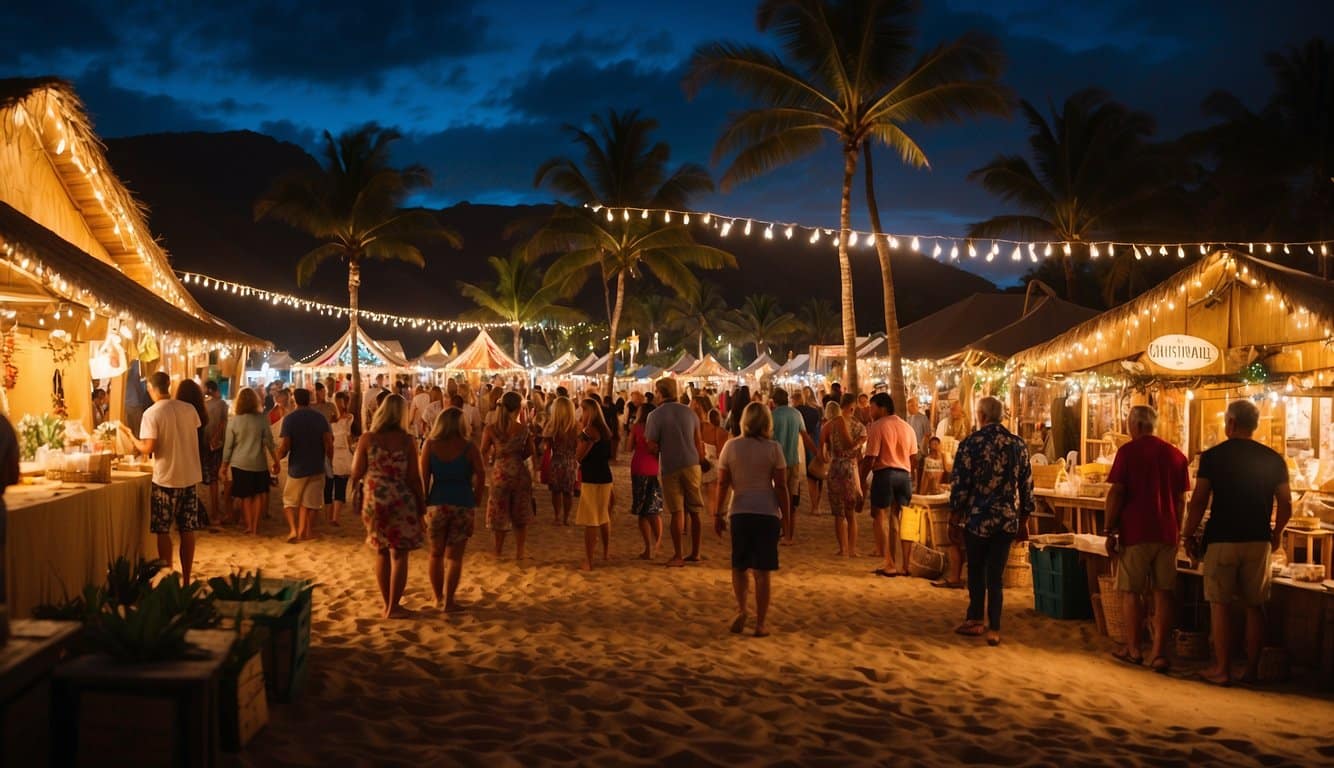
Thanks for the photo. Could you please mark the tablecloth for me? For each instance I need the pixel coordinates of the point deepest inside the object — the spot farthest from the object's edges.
(59, 540)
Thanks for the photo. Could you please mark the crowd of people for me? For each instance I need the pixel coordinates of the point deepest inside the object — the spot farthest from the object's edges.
(417, 466)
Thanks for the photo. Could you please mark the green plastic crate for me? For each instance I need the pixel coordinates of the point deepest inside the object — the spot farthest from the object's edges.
(288, 622)
(1060, 588)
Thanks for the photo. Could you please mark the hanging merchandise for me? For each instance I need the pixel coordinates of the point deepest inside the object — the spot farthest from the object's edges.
(148, 351)
(108, 358)
(58, 396)
(7, 358)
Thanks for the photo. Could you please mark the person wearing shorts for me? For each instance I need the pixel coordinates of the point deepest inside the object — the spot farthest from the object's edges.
(790, 434)
(753, 469)
(673, 433)
(1149, 480)
(891, 449)
(169, 431)
(306, 441)
(1239, 480)
(455, 477)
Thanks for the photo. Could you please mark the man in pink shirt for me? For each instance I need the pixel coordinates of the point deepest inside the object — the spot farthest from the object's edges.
(891, 447)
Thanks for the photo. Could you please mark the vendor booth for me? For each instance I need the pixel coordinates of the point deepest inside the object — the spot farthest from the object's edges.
(760, 371)
(682, 363)
(374, 358)
(708, 373)
(482, 360)
(430, 365)
(826, 360)
(89, 306)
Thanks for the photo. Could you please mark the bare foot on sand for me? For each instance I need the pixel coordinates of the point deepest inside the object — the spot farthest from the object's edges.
(676, 562)
(738, 624)
(397, 612)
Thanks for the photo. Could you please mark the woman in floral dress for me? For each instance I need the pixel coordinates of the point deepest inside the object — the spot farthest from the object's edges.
(562, 437)
(842, 439)
(507, 443)
(391, 499)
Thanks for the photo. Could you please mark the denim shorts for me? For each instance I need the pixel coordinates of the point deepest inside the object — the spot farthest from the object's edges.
(890, 486)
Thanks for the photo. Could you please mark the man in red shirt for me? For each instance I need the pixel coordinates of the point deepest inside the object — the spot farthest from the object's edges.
(1149, 481)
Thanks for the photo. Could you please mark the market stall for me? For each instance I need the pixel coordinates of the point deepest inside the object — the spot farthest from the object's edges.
(708, 373)
(1229, 326)
(482, 360)
(826, 360)
(374, 357)
(760, 371)
(431, 363)
(682, 364)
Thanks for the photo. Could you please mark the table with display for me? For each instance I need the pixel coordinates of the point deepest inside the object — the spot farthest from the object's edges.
(1085, 513)
(1300, 614)
(61, 536)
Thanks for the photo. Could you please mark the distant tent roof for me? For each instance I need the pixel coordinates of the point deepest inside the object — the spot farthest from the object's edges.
(874, 346)
(683, 363)
(762, 366)
(599, 367)
(946, 331)
(560, 363)
(434, 357)
(796, 366)
(708, 368)
(1051, 317)
(370, 353)
(280, 360)
(647, 372)
(577, 366)
(483, 354)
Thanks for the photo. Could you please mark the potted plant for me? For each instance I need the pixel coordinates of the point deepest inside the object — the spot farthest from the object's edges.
(282, 607)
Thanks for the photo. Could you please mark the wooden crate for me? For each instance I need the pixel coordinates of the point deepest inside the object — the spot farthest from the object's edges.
(288, 624)
(26, 663)
(245, 705)
(110, 713)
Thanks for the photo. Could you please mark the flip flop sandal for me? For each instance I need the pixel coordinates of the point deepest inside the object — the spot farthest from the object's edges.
(885, 574)
(947, 584)
(1125, 658)
(970, 630)
(1161, 665)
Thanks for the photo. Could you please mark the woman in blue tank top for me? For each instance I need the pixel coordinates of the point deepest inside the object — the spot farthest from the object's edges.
(455, 479)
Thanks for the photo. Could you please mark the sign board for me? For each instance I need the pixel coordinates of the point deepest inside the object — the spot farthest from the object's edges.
(1178, 352)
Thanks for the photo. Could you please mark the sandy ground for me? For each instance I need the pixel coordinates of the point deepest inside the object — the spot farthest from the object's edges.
(632, 665)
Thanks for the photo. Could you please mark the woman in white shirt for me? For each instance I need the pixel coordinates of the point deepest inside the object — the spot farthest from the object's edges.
(753, 469)
(335, 486)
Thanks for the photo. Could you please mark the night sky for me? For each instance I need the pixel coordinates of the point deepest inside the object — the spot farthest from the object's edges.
(480, 89)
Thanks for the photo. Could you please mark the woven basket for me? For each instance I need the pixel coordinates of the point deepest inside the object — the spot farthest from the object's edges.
(1192, 645)
(1110, 598)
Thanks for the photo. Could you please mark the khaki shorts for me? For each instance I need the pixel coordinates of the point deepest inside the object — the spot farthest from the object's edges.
(1152, 565)
(305, 492)
(796, 478)
(680, 491)
(1237, 568)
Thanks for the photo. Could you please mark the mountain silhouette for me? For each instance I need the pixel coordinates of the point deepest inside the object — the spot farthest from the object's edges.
(200, 190)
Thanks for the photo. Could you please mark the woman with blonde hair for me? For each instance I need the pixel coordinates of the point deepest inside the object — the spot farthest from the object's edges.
(455, 478)
(753, 468)
(506, 444)
(392, 504)
(247, 453)
(595, 452)
(562, 437)
(841, 441)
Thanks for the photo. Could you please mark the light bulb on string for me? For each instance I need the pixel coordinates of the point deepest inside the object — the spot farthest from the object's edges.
(1093, 250)
(1016, 255)
(727, 228)
(644, 215)
(954, 252)
(1067, 249)
(746, 232)
(685, 219)
(815, 236)
(769, 232)
(852, 238)
(915, 245)
(972, 251)
(1162, 250)
(789, 233)
(1047, 251)
(893, 243)
(708, 217)
(935, 253)
(610, 217)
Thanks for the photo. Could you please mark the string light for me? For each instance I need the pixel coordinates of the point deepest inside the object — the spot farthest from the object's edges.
(431, 324)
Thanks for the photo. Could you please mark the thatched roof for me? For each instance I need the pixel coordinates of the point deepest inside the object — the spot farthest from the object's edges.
(101, 286)
(1050, 317)
(948, 330)
(49, 108)
(1245, 306)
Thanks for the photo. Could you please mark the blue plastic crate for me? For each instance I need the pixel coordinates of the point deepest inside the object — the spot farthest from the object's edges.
(1060, 588)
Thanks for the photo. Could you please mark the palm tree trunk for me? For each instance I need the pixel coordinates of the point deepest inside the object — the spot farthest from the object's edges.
(701, 345)
(615, 323)
(517, 341)
(1068, 265)
(850, 383)
(353, 293)
(892, 341)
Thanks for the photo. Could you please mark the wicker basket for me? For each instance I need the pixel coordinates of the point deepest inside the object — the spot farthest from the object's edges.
(1048, 475)
(1192, 645)
(1112, 615)
(99, 471)
(1018, 572)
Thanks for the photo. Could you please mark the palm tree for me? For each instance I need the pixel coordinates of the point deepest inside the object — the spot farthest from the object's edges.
(819, 319)
(760, 320)
(352, 205)
(621, 168)
(846, 73)
(520, 297)
(1093, 177)
(697, 313)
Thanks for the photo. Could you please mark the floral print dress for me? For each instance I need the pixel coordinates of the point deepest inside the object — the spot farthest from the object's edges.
(510, 503)
(844, 478)
(389, 507)
(564, 471)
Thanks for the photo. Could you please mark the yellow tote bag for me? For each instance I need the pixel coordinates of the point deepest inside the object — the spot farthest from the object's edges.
(912, 524)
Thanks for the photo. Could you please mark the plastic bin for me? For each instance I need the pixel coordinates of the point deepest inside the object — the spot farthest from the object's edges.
(1060, 588)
